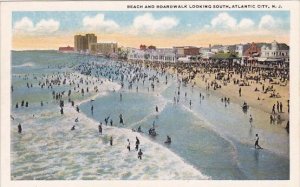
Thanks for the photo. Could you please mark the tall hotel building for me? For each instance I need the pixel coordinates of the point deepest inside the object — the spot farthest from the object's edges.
(103, 48)
(82, 42)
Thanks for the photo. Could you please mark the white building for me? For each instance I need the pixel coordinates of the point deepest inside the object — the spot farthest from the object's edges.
(203, 50)
(225, 49)
(275, 52)
(206, 53)
(136, 54)
(159, 55)
(216, 48)
(240, 50)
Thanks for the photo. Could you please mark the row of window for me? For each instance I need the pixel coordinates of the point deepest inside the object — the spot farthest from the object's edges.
(274, 53)
(161, 58)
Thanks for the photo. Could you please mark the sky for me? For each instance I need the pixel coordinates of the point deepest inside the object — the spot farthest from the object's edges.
(50, 30)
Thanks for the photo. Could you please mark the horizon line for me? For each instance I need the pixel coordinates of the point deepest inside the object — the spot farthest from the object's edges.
(56, 49)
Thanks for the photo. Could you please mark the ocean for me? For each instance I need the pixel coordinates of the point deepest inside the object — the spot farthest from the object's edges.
(209, 140)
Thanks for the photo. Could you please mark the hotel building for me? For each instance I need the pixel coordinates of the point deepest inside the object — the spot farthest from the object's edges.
(82, 42)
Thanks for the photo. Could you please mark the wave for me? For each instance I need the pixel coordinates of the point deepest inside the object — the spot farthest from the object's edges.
(83, 154)
(214, 129)
(168, 165)
(28, 64)
(162, 103)
(175, 163)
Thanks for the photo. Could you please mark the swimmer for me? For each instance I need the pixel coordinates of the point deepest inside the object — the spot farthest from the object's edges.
(128, 146)
(111, 141)
(168, 141)
(140, 153)
(19, 128)
(100, 128)
(137, 143)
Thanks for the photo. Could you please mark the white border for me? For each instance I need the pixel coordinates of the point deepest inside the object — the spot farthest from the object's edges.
(6, 46)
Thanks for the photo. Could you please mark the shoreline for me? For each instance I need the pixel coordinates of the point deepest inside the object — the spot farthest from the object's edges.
(230, 90)
(185, 165)
(181, 169)
(194, 171)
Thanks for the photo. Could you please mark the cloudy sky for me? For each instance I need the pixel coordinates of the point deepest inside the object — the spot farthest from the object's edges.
(49, 30)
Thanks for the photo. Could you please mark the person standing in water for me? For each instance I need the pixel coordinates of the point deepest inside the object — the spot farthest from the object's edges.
(19, 128)
(106, 121)
(251, 119)
(140, 153)
(92, 109)
(137, 143)
(256, 142)
(128, 146)
(111, 141)
(121, 119)
(100, 128)
(156, 108)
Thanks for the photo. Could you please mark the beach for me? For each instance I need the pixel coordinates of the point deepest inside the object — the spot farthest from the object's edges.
(249, 95)
(211, 139)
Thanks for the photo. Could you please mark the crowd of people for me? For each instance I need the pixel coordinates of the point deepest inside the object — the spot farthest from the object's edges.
(86, 80)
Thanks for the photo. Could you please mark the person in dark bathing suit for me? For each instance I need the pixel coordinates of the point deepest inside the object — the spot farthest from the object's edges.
(140, 153)
(137, 143)
(111, 141)
(121, 119)
(19, 128)
(128, 146)
(168, 141)
(100, 128)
